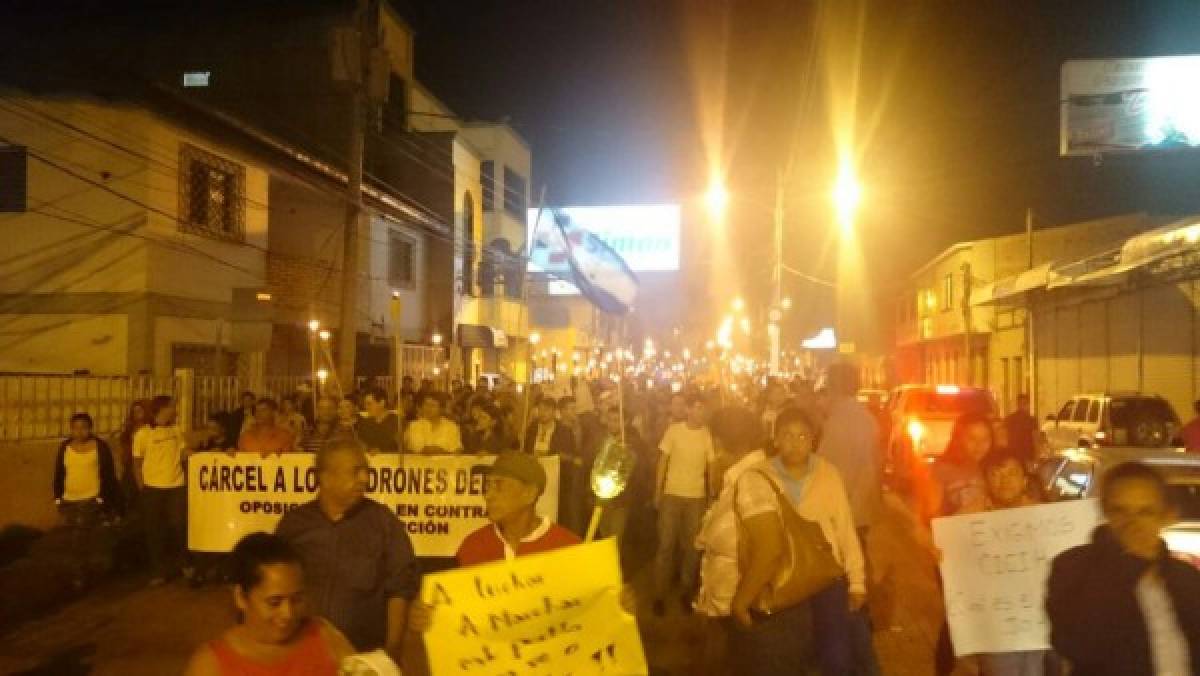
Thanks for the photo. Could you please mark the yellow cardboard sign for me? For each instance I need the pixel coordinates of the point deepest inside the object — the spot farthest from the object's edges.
(551, 614)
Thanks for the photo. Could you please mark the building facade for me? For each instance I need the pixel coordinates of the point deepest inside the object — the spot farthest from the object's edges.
(138, 245)
(965, 319)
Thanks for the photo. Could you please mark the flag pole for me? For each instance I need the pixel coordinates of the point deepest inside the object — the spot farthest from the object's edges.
(524, 317)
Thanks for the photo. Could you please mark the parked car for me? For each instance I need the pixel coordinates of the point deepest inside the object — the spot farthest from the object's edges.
(922, 418)
(1074, 473)
(1115, 419)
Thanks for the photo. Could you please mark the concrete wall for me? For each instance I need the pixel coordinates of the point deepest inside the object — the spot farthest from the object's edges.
(100, 247)
(26, 497)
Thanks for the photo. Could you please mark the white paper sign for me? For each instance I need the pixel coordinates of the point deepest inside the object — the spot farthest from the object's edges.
(994, 570)
(438, 498)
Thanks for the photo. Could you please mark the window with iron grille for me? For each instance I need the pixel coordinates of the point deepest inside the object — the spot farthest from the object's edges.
(212, 195)
(402, 255)
(514, 193)
(487, 178)
(13, 179)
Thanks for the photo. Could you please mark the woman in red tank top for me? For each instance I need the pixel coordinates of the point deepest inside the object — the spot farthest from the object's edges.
(276, 636)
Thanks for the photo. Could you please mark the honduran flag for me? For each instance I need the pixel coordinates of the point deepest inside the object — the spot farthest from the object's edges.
(598, 271)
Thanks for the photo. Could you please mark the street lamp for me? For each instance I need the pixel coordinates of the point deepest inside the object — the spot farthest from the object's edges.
(739, 304)
(847, 194)
(716, 198)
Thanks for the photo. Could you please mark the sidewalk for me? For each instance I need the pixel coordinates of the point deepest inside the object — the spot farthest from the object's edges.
(125, 629)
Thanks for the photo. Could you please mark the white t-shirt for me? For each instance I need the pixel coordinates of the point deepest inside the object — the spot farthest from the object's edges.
(421, 433)
(687, 453)
(161, 451)
(82, 481)
(1168, 644)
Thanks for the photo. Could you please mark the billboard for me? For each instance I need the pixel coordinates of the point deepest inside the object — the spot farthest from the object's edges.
(646, 236)
(1113, 105)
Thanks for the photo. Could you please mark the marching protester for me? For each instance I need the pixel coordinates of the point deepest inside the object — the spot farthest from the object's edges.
(159, 452)
(432, 432)
(1007, 485)
(275, 635)
(326, 426)
(137, 418)
(212, 437)
(513, 485)
(486, 434)
(379, 430)
(266, 435)
(777, 640)
(347, 418)
(357, 558)
(546, 435)
(86, 491)
(291, 418)
(1122, 604)
(1022, 431)
(573, 469)
(737, 433)
(955, 485)
(774, 401)
(242, 418)
(686, 455)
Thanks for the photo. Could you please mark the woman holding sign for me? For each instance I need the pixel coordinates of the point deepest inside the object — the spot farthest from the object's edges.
(274, 635)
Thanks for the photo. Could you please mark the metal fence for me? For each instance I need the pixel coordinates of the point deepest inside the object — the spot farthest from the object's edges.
(40, 406)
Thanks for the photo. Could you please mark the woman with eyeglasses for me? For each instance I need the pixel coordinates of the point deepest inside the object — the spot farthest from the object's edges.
(819, 631)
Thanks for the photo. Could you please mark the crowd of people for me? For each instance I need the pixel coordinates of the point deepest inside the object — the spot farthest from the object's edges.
(731, 482)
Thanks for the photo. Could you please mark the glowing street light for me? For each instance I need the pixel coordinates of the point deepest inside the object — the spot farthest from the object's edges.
(847, 194)
(437, 339)
(739, 304)
(535, 338)
(324, 335)
(786, 303)
(716, 198)
(313, 325)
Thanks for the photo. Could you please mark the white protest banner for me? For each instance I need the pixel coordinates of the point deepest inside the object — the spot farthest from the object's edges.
(551, 614)
(994, 569)
(438, 497)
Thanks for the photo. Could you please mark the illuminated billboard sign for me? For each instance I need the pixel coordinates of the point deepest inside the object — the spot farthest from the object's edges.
(1113, 105)
(646, 236)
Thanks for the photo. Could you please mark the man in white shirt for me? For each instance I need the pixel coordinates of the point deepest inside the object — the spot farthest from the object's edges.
(546, 436)
(432, 433)
(159, 452)
(680, 493)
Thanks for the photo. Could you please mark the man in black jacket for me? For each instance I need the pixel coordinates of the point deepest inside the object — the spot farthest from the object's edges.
(1122, 604)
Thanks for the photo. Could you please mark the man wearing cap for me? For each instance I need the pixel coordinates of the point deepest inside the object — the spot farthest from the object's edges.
(511, 491)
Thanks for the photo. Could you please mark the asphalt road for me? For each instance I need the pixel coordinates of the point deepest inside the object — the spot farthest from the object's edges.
(125, 629)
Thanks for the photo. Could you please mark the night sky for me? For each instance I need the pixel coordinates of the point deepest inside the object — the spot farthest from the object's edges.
(957, 109)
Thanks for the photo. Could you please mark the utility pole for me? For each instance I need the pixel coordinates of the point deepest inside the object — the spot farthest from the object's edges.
(775, 314)
(1030, 387)
(365, 34)
(966, 313)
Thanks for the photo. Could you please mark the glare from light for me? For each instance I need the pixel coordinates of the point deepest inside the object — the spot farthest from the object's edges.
(739, 304)
(437, 339)
(847, 194)
(786, 303)
(313, 325)
(322, 375)
(716, 198)
(324, 334)
(535, 338)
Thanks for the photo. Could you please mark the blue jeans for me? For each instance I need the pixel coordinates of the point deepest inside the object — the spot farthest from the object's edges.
(776, 645)
(1020, 663)
(839, 634)
(678, 523)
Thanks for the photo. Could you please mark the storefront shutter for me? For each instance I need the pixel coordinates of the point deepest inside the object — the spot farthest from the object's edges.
(1167, 344)
(1123, 320)
(1093, 347)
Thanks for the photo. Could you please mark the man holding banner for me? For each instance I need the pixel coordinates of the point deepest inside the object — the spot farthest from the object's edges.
(357, 558)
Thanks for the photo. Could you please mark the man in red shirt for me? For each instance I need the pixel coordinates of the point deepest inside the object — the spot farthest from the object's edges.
(514, 484)
(1191, 432)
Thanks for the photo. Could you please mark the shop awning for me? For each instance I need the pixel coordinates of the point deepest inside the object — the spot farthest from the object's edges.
(1010, 288)
(477, 335)
(1139, 251)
